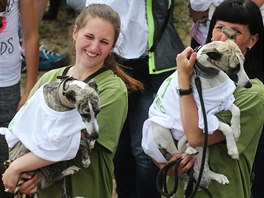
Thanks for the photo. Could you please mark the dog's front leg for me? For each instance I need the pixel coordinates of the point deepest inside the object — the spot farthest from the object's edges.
(220, 178)
(85, 147)
(235, 121)
(164, 140)
(230, 140)
(85, 157)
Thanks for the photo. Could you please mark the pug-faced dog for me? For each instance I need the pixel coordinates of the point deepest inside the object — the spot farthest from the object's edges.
(57, 121)
(163, 136)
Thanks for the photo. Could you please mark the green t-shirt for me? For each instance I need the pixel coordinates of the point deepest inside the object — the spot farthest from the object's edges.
(96, 181)
(251, 104)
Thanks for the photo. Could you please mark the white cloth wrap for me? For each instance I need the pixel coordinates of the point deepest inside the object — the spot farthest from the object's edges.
(50, 135)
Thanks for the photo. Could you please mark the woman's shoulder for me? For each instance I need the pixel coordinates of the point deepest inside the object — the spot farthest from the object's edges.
(256, 91)
(251, 99)
(51, 75)
(47, 77)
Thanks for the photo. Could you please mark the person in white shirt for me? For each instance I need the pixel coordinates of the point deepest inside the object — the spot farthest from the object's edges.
(11, 11)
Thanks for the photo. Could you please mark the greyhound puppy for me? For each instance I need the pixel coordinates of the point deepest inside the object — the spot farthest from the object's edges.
(215, 61)
(66, 112)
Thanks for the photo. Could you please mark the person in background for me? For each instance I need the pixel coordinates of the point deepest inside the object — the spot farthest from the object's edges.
(95, 32)
(201, 13)
(260, 4)
(10, 63)
(146, 48)
(242, 16)
(48, 59)
(53, 9)
(77, 5)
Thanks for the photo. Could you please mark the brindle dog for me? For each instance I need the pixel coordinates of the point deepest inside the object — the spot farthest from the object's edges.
(64, 96)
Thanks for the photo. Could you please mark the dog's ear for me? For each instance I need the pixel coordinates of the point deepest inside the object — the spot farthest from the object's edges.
(215, 55)
(70, 95)
(93, 85)
(241, 58)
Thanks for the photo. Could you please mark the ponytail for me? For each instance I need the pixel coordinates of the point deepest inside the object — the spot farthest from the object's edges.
(131, 83)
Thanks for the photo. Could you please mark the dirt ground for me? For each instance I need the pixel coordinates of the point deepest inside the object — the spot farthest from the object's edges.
(56, 33)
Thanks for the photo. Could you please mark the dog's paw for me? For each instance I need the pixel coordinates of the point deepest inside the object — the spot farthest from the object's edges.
(191, 151)
(220, 178)
(7, 163)
(86, 162)
(236, 133)
(91, 144)
(70, 170)
(233, 152)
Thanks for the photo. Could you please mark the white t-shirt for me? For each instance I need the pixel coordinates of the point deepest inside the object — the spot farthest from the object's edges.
(51, 135)
(202, 5)
(165, 111)
(10, 52)
(133, 38)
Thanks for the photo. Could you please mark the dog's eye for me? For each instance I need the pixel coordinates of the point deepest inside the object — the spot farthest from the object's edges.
(95, 105)
(96, 108)
(234, 70)
(233, 77)
(86, 116)
(96, 111)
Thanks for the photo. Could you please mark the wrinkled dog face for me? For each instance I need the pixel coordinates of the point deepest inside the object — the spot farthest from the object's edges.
(86, 99)
(226, 56)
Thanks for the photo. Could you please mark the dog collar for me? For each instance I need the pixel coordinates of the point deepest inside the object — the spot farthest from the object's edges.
(61, 92)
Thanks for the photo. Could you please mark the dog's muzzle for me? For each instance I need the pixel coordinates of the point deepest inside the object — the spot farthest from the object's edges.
(248, 85)
(93, 136)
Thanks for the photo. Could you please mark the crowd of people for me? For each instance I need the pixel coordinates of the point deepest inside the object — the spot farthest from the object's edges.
(129, 49)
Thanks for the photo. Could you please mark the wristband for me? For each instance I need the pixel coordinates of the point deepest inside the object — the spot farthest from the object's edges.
(184, 92)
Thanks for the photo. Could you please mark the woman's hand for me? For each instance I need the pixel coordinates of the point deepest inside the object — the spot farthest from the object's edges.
(10, 178)
(185, 165)
(31, 185)
(22, 101)
(185, 62)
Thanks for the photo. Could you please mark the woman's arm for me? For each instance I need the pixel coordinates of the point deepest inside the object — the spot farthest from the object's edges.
(188, 108)
(23, 164)
(258, 2)
(30, 43)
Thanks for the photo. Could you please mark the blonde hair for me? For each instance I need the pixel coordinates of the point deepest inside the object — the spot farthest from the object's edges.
(106, 13)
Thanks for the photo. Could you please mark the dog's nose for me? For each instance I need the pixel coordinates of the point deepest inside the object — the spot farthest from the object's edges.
(248, 85)
(93, 136)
